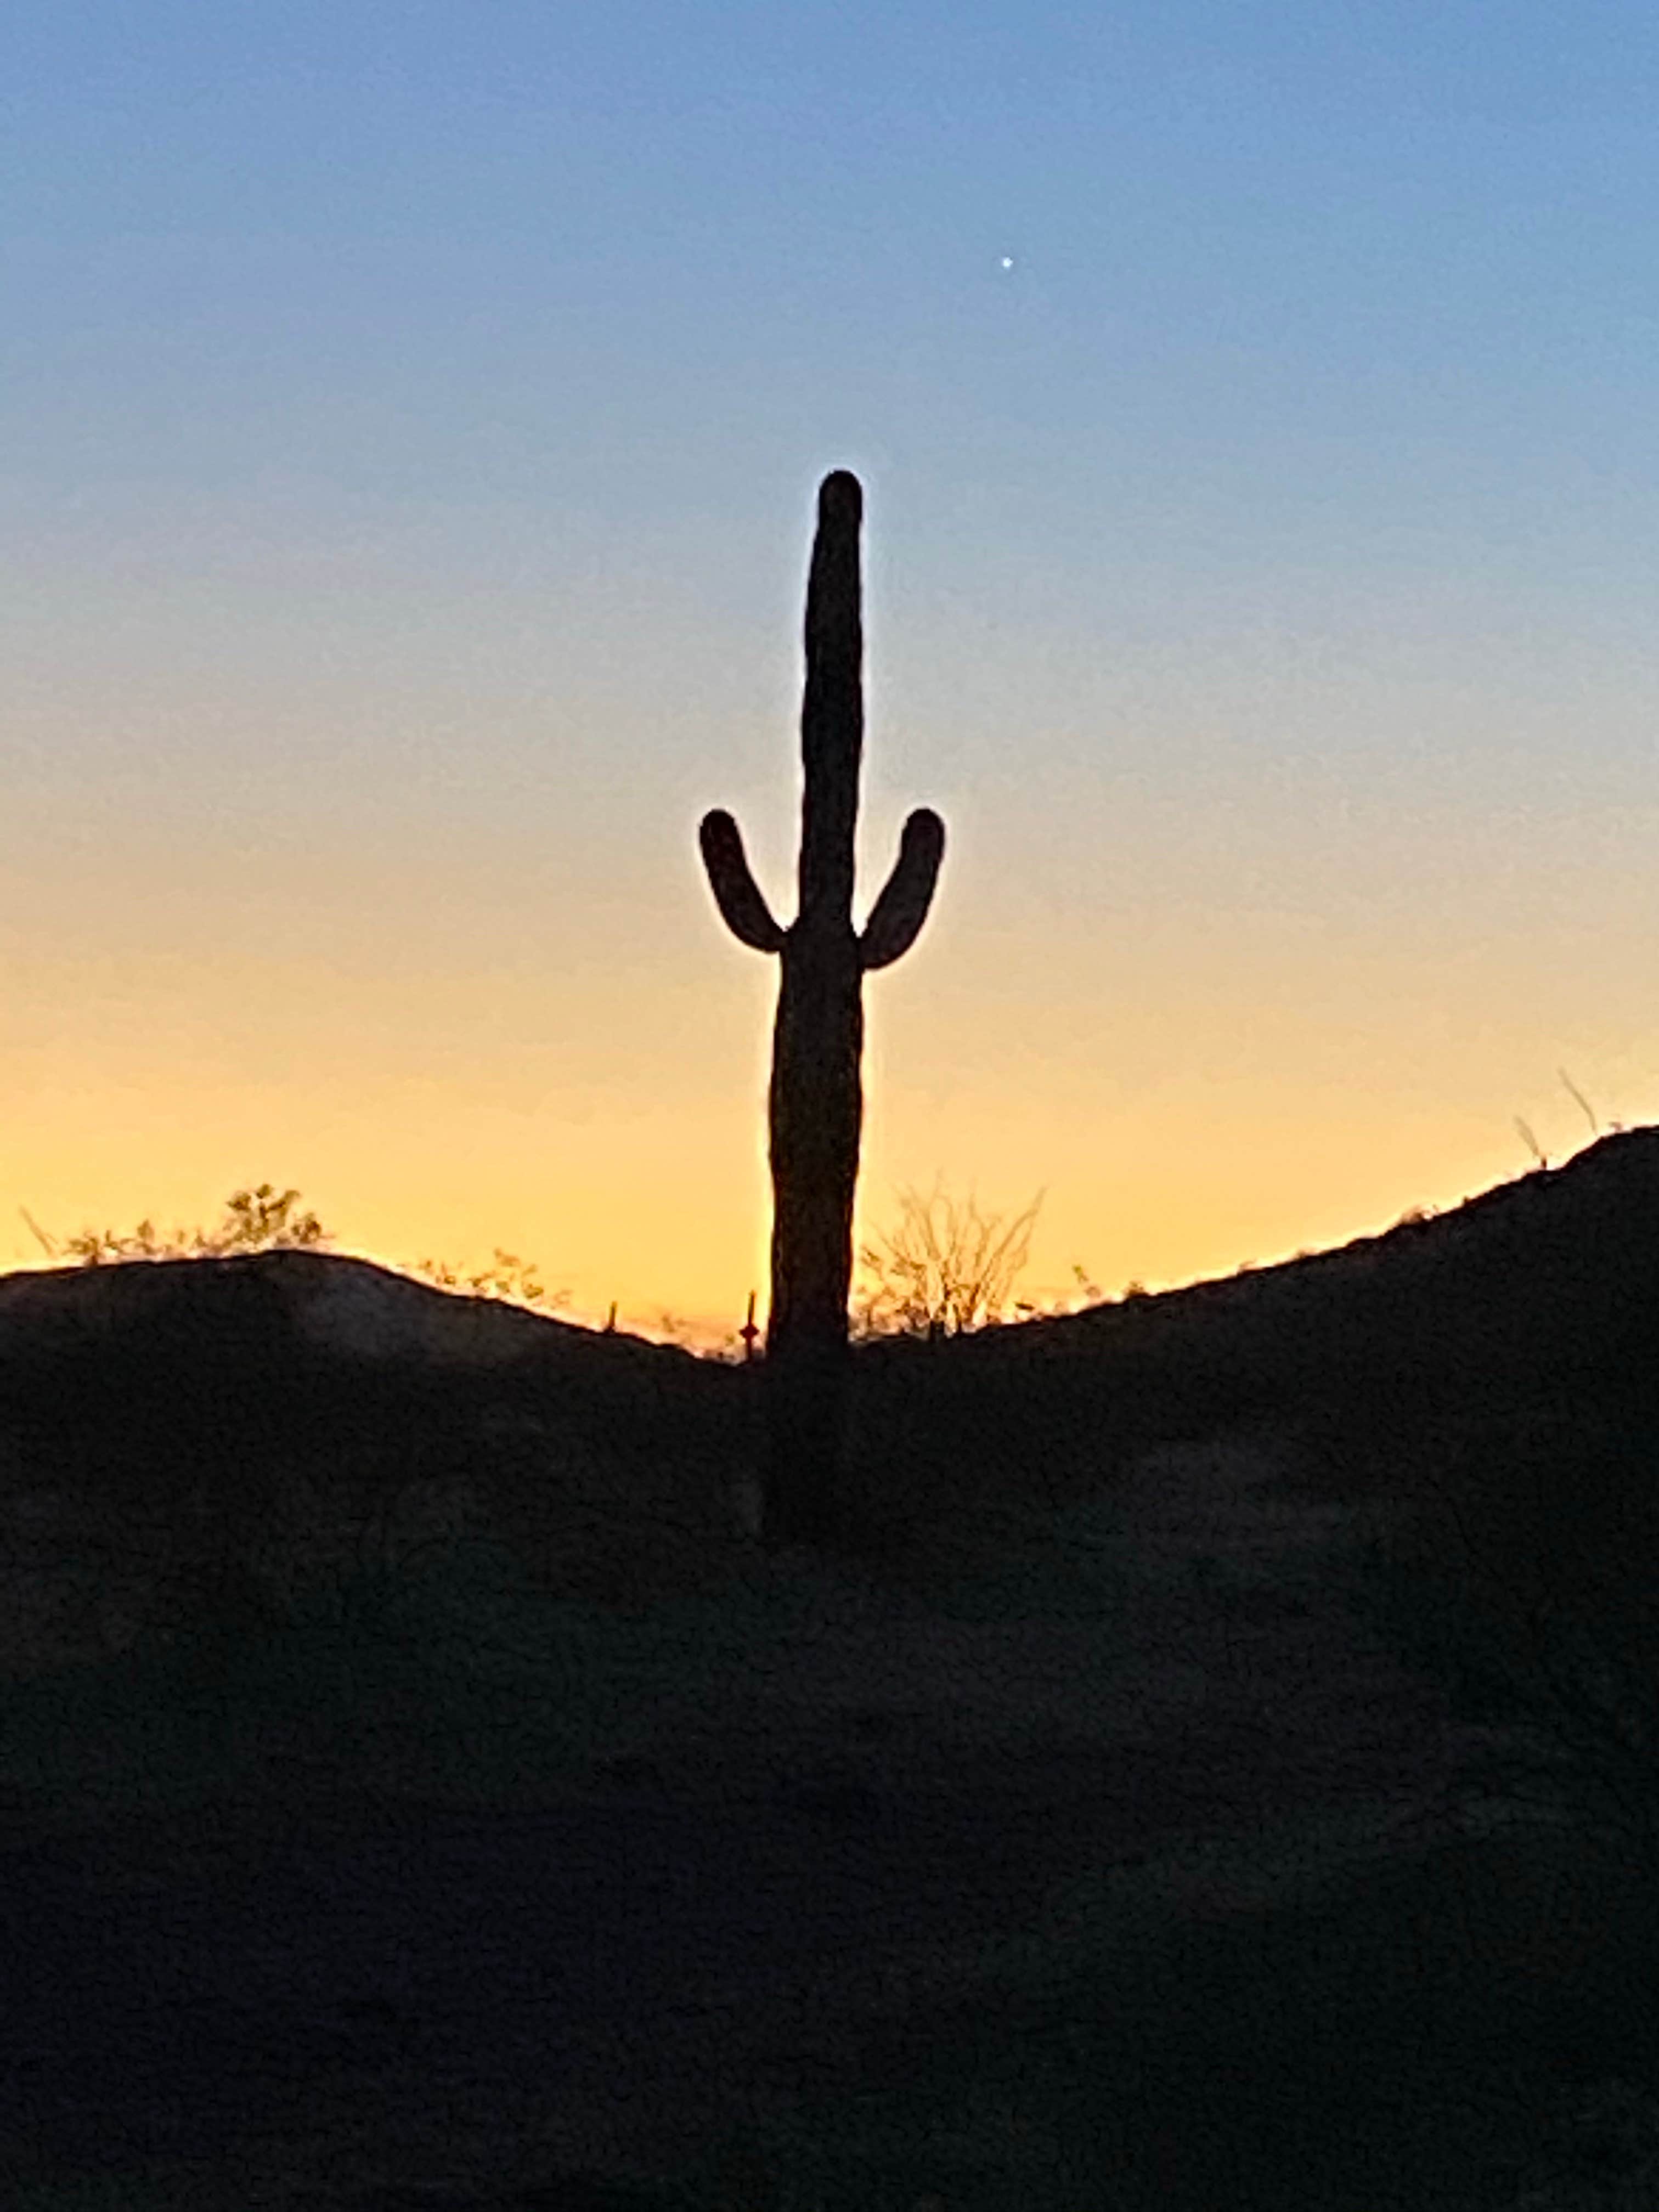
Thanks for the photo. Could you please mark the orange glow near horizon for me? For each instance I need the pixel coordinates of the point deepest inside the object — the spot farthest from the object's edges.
(1231, 1097)
(699, 1291)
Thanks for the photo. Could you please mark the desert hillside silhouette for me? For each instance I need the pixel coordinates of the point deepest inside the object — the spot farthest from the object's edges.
(373, 1654)
(1524, 1309)
(1529, 1299)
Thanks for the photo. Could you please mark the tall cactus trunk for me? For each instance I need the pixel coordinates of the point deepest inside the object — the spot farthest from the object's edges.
(816, 1100)
(816, 1109)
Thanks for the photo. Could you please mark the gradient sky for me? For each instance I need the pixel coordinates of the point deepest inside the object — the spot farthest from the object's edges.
(412, 415)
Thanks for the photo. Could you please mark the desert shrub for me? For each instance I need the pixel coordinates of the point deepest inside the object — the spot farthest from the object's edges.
(944, 1269)
(515, 1281)
(261, 1219)
(265, 1219)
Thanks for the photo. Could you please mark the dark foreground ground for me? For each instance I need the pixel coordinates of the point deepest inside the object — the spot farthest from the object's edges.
(1112, 1869)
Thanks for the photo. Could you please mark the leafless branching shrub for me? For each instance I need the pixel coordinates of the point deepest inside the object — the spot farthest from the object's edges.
(945, 1268)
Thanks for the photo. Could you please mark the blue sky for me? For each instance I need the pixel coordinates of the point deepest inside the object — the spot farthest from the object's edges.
(411, 418)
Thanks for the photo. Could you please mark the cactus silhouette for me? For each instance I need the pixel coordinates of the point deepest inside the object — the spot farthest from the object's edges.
(815, 1102)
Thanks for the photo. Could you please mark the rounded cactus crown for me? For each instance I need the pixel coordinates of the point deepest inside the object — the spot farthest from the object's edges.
(841, 498)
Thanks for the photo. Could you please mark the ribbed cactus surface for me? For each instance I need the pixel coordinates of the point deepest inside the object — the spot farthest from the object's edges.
(817, 1100)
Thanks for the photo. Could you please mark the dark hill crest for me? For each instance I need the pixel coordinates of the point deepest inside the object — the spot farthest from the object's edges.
(1547, 1283)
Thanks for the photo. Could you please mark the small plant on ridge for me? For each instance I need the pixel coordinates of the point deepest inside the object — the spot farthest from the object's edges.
(944, 1269)
(515, 1281)
(257, 1220)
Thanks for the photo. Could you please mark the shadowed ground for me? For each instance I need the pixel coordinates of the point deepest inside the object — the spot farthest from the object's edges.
(1117, 1866)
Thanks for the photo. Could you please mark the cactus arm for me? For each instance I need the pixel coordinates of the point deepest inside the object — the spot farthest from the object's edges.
(896, 917)
(738, 896)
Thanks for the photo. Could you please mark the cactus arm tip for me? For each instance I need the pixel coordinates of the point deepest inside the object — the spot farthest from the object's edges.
(738, 896)
(841, 494)
(896, 917)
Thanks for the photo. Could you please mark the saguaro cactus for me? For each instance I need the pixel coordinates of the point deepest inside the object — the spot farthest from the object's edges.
(815, 1102)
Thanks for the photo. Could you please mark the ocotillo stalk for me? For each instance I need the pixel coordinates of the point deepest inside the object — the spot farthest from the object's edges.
(815, 1101)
